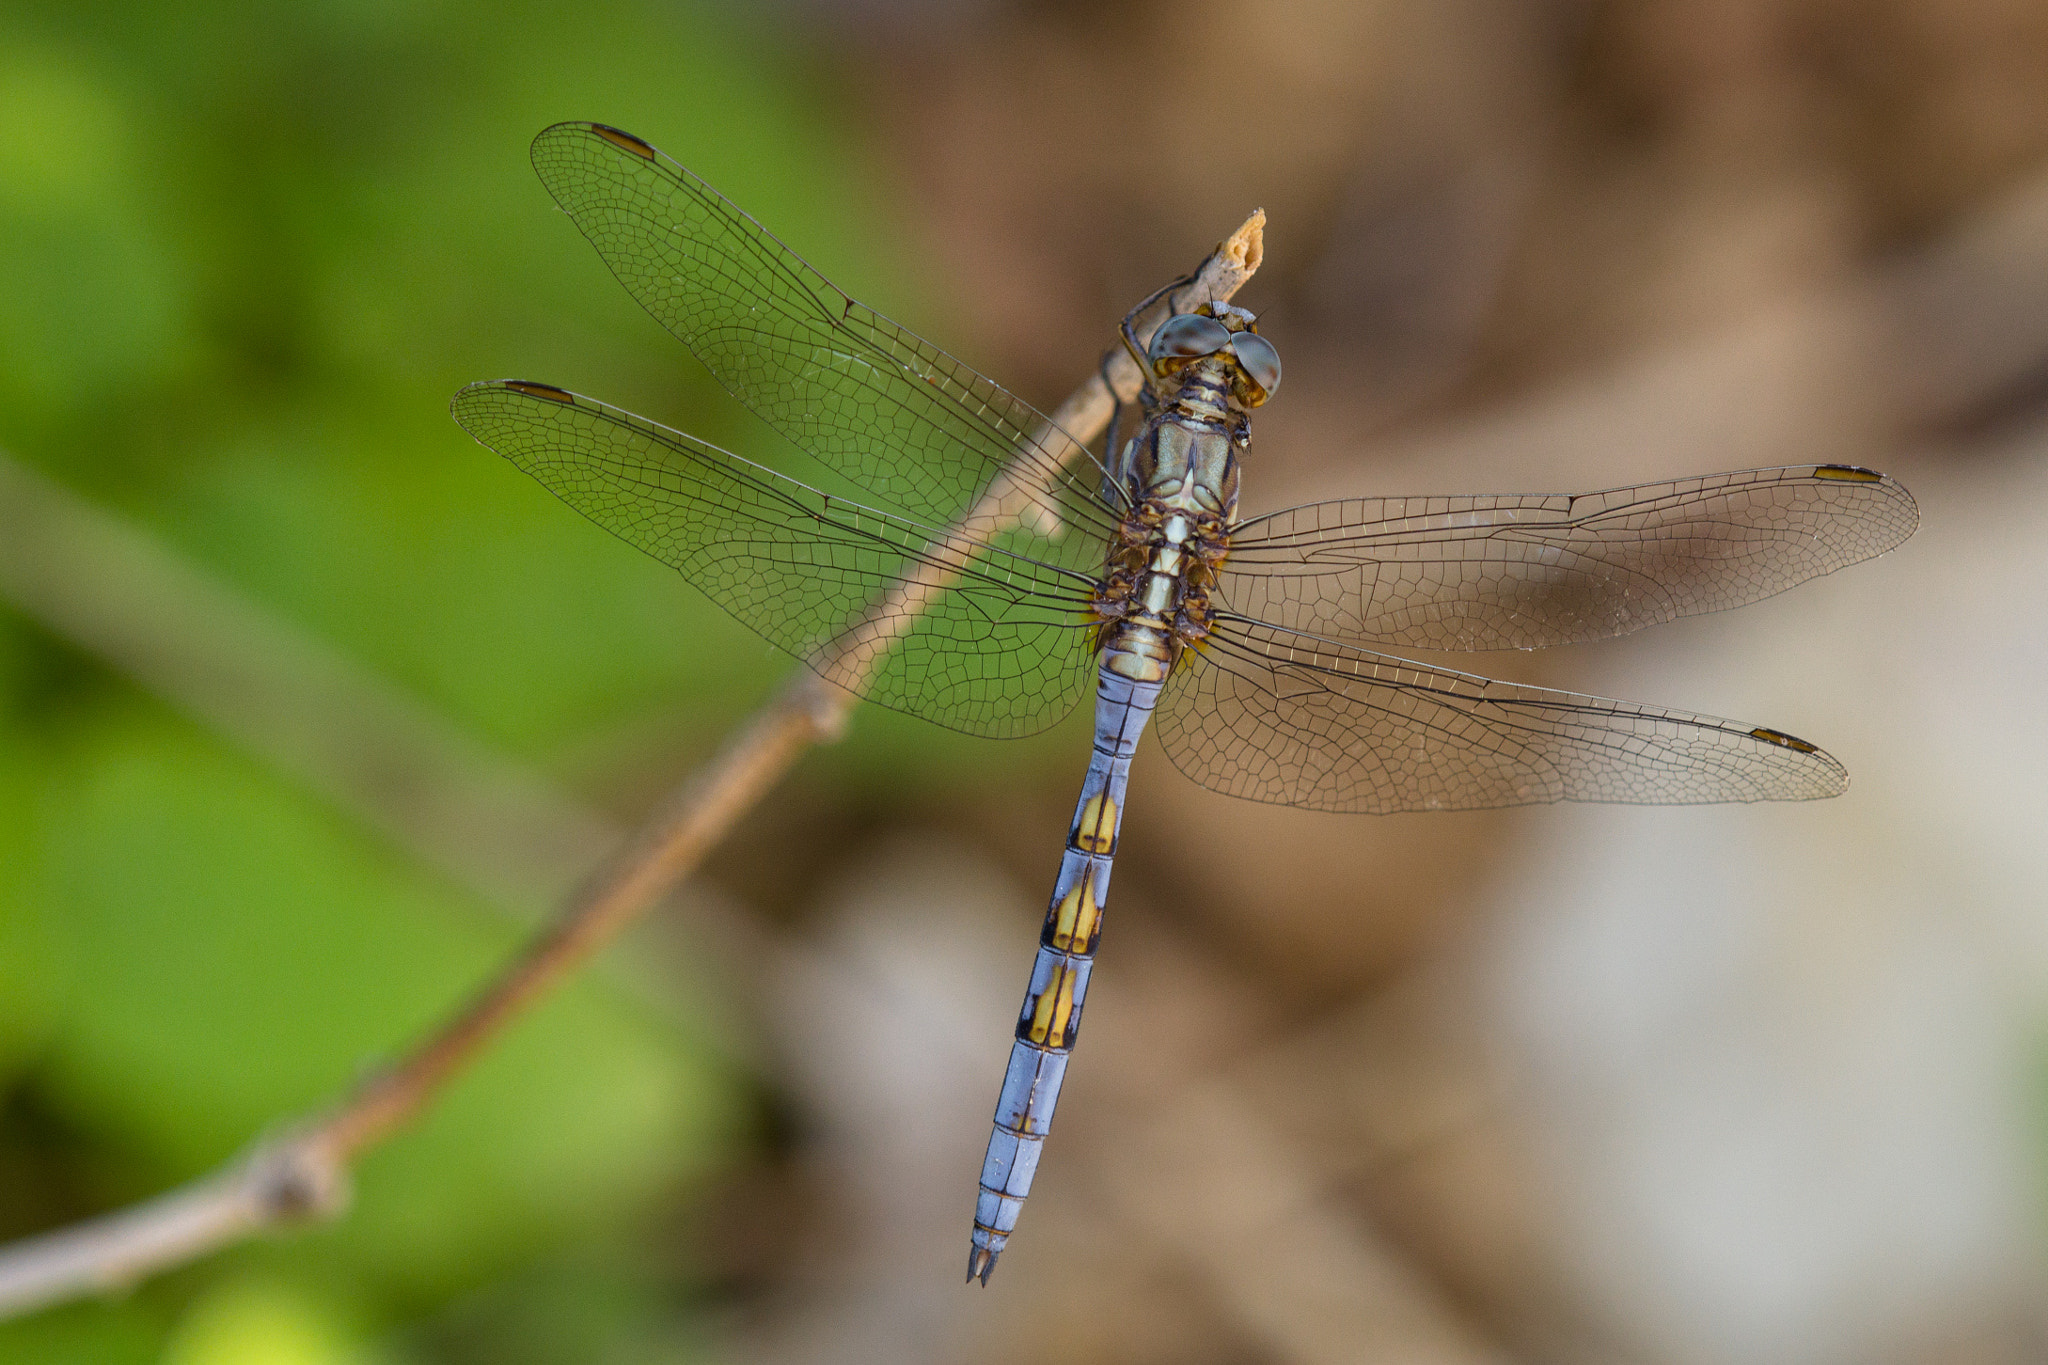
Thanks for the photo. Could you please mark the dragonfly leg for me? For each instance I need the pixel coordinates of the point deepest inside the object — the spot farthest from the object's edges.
(1116, 409)
(1051, 1018)
(1115, 469)
(1128, 331)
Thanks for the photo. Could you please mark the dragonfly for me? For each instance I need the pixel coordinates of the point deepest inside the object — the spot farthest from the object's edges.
(997, 570)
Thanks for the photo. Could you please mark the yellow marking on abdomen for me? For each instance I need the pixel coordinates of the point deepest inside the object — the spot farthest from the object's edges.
(1096, 830)
(1055, 1005)
(1064, 1008)
(1041, 1017)
(1077, 917)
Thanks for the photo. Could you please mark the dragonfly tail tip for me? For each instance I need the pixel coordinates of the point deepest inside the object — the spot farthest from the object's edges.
(981, 1263)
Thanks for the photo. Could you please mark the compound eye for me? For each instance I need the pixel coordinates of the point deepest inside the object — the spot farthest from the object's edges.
(1187, 336)
(1258, 359)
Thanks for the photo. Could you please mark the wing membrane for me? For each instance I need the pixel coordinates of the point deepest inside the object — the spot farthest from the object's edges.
(973, 635)
(1287, 718)
(917, 429)
(1526, 571)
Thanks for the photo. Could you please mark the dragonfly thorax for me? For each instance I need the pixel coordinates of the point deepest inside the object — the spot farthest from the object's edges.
(1181, 477)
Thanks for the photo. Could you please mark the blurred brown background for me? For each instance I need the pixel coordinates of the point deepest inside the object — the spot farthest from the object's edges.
(1579, 1084)
(1568, 1084)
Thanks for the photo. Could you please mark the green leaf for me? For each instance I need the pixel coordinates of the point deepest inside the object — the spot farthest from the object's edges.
(239, 956)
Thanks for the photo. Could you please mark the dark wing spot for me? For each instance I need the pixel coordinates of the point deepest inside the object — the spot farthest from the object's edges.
(1783, 740)
(623, 140)
(1848, 473)
(533, 390)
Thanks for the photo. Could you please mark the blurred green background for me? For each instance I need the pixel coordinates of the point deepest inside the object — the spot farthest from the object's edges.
(250, 252)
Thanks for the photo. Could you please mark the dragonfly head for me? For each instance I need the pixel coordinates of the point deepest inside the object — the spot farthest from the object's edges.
(1228, 333)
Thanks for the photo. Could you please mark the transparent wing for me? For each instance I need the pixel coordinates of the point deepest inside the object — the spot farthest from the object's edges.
(914, 427)
(1522, 572)
(1286, 718)
(975, 636)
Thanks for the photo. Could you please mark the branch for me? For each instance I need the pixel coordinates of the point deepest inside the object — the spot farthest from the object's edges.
(304, 1173)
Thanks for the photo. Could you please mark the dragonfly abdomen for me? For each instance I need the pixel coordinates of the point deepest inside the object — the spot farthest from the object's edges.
(1050, 1020)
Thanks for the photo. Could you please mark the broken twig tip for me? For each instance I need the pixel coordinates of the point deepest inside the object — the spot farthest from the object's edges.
(1246, 247)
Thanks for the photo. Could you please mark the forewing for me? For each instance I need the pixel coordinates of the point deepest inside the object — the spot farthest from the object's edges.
(1280, 717)
(975, 636)
(1525, 571)
(917, 429)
